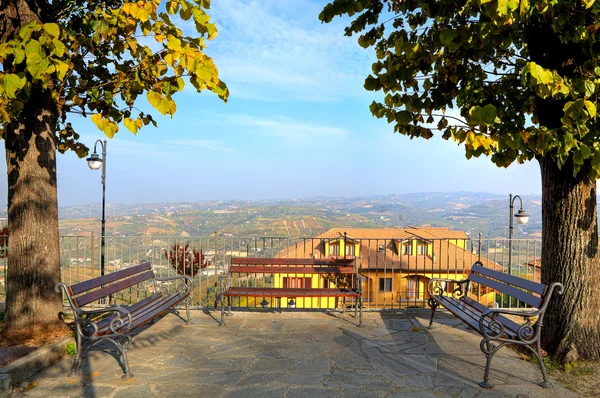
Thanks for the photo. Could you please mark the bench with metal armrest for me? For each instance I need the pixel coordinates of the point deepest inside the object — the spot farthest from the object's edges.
(496, 329)
(114, 324)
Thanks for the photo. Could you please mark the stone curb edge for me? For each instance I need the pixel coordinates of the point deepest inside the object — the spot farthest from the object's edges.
(30, 364)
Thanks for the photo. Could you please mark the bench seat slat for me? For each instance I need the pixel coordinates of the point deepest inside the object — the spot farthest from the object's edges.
(468, 314)
(507, 289)
(512, 325)
(511, 279)
(288, 292)
(147, 312)
(113, 288)
(289, 270)
(108, 278)
(290, 261)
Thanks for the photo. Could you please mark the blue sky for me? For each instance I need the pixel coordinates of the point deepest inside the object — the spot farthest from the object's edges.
(296, 125)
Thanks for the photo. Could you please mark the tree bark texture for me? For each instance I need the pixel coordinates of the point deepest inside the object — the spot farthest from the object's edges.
(33, 246)
(33, 266)
(570, 256)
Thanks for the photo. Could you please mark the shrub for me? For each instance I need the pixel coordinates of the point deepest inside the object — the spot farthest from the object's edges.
(186, 261)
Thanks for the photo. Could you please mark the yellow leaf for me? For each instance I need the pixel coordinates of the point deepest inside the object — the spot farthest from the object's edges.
(173, 43)
(131, 125)
(98, 121)
(52, 29)
(132, 43)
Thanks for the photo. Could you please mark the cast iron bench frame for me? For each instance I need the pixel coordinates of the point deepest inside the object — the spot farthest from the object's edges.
(291, 266)
(115, 323)
(497, 330)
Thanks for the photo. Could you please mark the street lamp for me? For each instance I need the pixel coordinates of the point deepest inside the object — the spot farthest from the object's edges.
(522, 218)
(95, 162)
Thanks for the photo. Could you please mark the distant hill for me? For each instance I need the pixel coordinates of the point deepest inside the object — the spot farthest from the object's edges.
(473, 212)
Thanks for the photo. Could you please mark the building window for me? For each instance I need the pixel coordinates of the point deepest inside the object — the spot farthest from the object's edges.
(297, 283)
(422, 249)
(350, 250)
(407, 248)
(334, 250)
(412, 286)
(385, 284)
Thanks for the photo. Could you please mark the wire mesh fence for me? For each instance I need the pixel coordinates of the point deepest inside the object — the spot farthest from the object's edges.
(394, 273)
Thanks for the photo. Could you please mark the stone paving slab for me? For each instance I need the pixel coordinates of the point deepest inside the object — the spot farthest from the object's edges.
(295, 355)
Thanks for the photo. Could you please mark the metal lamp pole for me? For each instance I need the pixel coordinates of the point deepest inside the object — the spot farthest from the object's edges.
(522, 218)
(95, 162)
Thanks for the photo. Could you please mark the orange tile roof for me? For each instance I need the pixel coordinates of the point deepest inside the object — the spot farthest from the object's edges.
(444, 256)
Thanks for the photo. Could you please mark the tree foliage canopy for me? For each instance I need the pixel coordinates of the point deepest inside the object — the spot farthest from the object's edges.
(525, 74)
(97, 57)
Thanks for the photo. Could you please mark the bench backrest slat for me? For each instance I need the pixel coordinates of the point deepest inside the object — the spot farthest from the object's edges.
(507, 289)
(510, 279)
(108, 278)
(112, 288)
(245, 269)
(290, 261)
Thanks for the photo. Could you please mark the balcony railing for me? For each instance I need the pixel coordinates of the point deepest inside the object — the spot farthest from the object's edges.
(376, 259)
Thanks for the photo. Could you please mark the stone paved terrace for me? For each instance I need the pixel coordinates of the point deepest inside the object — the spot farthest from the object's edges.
(300, 354)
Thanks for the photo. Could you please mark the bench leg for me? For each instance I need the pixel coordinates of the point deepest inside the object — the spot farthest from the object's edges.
(538, 352)
(222, 312)
(360, 305)
(433, 304)
(127, 374)
(76, 368)
(187, 311)
(489, 352)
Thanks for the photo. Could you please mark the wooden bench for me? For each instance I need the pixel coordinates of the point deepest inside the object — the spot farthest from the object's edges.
(114, 323)
(496, 329)
(296, 267)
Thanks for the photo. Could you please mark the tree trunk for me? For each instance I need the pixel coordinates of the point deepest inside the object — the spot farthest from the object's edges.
(33, 246)
(570, 256)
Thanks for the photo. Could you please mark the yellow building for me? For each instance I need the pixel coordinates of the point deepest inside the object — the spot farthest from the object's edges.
(396, 264)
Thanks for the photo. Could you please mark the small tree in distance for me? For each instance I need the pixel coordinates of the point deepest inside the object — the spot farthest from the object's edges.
(186, 261)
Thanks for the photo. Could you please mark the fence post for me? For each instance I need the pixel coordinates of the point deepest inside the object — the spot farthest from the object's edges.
(92, 253)
(479, 248)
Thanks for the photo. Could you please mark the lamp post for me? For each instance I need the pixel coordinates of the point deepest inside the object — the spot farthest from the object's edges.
(522, 218)
(95, 162)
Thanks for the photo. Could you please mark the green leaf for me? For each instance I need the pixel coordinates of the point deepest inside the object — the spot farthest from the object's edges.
(52, 29)
(59, 48)
(19, 56)
(589, 88)
(27, 30)
(12, 83)
(37, 65)
(33, 47)
(447, 36)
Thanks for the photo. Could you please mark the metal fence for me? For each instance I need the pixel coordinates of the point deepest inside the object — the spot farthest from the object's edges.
(394, 272)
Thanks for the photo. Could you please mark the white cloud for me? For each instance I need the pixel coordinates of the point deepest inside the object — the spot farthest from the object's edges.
(169, 149)
(294, 132)
(279, 50)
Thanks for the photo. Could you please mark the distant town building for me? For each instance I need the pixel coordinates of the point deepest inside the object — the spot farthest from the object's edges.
(396, 263)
